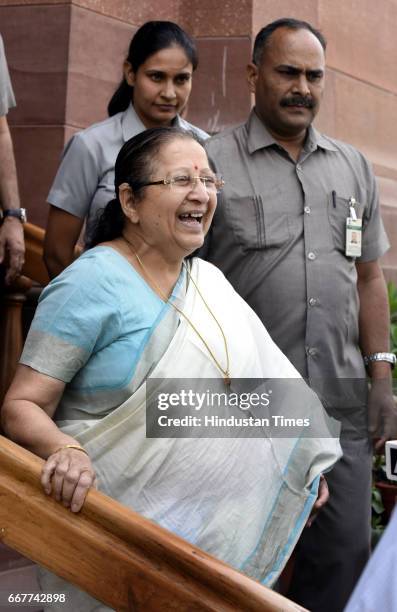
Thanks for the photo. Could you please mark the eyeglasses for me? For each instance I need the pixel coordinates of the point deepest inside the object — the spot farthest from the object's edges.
(212, 183)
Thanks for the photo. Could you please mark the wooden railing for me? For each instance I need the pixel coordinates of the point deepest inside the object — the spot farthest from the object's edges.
(116, 555)
(34, 267)
(11, 340)
(13, 299)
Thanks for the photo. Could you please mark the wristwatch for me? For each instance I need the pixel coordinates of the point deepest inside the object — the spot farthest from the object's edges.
(389, 357)
(19, 213)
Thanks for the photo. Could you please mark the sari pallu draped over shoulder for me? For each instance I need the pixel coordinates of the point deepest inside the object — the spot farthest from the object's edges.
(244, 500)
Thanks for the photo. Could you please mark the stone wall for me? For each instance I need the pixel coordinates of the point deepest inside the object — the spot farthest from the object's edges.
(65, 60)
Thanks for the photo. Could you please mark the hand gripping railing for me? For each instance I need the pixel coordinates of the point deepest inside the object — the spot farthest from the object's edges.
(116, 555)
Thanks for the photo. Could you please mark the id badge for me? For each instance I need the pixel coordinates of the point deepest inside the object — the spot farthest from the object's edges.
(354, 232)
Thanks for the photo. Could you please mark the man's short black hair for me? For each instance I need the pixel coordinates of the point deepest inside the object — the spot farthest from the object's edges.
(262, 38)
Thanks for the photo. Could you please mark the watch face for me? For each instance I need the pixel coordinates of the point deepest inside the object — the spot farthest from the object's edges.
(23, 215)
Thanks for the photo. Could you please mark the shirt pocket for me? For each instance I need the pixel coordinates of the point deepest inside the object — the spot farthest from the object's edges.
(338, 212)
(255, 227)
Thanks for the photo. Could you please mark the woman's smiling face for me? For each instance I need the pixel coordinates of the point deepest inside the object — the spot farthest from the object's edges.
(162, 86)
(174, 218)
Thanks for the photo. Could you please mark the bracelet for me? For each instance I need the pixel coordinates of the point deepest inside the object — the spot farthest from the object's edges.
(388, 357)
(74, 446)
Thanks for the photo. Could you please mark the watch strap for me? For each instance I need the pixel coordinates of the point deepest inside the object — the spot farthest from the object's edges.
(18, 213)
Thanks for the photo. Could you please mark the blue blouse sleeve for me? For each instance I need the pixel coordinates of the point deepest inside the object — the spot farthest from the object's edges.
(77, 315)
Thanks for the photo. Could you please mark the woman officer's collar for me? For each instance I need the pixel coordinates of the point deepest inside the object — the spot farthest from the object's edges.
(131, 124)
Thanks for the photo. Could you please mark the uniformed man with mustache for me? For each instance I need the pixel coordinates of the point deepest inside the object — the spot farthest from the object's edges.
(282, 234)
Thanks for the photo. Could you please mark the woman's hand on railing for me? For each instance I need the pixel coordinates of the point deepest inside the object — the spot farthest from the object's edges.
(68, 474)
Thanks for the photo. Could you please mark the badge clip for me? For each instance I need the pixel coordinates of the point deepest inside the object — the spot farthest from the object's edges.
(353, 231)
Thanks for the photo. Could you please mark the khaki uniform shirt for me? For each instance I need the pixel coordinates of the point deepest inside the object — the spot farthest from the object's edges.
(84, 183)
(279, 236)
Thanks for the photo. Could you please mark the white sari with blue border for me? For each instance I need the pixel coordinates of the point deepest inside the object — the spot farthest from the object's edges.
(244, 500)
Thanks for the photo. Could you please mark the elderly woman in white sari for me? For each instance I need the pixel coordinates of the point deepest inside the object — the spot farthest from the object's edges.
(134, 309)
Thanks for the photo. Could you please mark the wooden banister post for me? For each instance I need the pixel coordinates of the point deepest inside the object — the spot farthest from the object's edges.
(11, 338)
(34, 266)
(12, 300)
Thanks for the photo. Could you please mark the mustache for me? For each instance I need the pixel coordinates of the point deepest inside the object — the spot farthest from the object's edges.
(305, 101)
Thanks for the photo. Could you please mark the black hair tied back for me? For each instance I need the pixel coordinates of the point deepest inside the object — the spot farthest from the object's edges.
(109, 225)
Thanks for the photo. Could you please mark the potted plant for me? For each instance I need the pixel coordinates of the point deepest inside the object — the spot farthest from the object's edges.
(386, 488)
(377, 520)
(392, 291)
(384, 491)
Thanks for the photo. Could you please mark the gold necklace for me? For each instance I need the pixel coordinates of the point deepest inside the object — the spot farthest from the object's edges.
(225, 372)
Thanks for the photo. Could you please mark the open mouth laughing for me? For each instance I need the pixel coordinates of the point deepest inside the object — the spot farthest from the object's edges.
(191, 219)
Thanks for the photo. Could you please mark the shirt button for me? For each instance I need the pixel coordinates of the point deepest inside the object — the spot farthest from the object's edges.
(312, 302)
(311, 256)
(299, 167)
(312, 351)
(307, 210)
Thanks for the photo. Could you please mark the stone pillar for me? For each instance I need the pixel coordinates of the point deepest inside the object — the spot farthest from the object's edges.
(65, 61)
(361, 96)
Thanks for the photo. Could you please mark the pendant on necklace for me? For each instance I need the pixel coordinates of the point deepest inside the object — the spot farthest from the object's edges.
(228, 380)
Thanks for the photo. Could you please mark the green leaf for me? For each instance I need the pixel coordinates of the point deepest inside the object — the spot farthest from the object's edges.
(393, 333)
(377, 504)
(378, 507)
(392, 292)
(376, 523)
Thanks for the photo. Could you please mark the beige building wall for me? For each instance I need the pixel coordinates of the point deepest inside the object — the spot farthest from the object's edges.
(65, 60)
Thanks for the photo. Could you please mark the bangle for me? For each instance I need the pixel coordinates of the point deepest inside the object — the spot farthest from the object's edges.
(74, 446)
